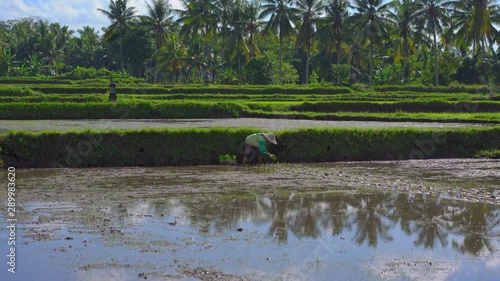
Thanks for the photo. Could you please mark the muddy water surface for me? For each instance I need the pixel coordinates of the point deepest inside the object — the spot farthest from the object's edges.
(399, 220)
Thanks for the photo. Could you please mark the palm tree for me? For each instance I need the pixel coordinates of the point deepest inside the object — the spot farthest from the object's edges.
(43, 38)
(119, 15)
(172, 55)
(59, 44)
(282, 14)
(432, 15)
(237, 31)
(158, 20)
(332, 25)
(3, 34)
(475, 21)
(252, 23)
(51, 43)
(5, 52)
(20, 38)
(198, 18)
(333, 36)
(403, 18)
(370, 18)
(88, 44)
(223, 9)
(310, 12)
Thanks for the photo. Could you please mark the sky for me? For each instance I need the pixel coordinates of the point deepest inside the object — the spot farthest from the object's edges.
(73, 13)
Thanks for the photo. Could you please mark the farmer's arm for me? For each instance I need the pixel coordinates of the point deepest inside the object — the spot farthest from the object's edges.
(262, 148)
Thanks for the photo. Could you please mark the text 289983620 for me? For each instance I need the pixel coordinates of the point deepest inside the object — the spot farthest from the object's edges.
(11, 220)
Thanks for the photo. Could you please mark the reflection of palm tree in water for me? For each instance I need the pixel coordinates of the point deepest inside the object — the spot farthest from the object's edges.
(336, 218)
(477, 223)
(221, 214)
(295, 213)
(403, 212)
(368, 217)
(432, 220)
(303, 221)
(279, 227)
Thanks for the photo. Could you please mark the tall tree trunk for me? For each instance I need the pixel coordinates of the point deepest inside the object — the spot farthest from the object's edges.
(339, 56)
(371, 61)
(483, 65)
(239, 58)
(121, 51)
(308, 58)
(339, 51)
(252, 46)
(223, 60)
(436, 66)
(280, 59)
(157, 63)
(405, 55)
(207, 48)
(474, 47)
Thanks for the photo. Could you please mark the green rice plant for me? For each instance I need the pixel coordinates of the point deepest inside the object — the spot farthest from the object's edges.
(129, 110)
(15, 91)
(34, 80)
(358, 97)
(403, 106)
(69, 89)
(227, 159)
(400, 116)
(37, 98)
(146, 89)
(491, 154)
(160, 147)
(473, 89)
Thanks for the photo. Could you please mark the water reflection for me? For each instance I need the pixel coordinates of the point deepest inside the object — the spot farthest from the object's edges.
(477, 223)
(371, 218)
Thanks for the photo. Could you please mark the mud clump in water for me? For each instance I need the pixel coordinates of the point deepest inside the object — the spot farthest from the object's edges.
(206, 274)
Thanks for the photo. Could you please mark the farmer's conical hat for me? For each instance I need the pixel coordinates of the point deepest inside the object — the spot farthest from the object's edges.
(270, 137)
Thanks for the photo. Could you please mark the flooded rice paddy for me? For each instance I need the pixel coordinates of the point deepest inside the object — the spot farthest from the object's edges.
(265, 124)
(397, 220)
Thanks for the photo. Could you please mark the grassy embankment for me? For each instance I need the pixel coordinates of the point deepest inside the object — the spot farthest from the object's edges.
(68, 99)
(161, 147)
(30, 98)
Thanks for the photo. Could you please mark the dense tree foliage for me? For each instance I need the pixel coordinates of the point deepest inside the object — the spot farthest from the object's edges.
(381, 42)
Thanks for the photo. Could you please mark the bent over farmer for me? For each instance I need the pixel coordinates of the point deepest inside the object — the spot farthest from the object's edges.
(255, 144)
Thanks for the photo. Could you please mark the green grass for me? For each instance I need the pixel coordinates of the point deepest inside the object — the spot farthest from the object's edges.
(361, 97)
(161, 89)
(473, 89)
(159, 147)
(397, 106)
(81, 99)
(120, 110)
(7, 91)
(37, 98)
(374, 116)
(491, 154)
(215, 109)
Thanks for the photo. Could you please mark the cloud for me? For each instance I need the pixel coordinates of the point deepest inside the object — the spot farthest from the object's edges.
(73, 13)
(493, 263)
